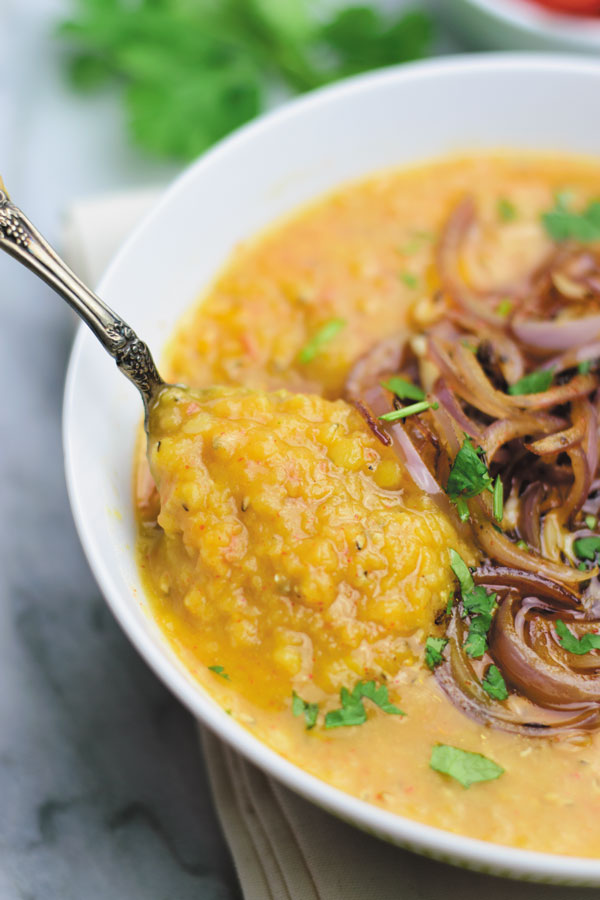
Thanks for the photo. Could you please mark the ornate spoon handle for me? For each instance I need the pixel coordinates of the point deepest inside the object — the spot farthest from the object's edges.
(23, 241)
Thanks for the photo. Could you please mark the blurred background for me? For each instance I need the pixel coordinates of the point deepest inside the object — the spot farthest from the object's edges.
(102, 784)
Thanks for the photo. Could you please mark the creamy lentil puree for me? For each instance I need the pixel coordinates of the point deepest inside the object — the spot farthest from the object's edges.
(287, 551)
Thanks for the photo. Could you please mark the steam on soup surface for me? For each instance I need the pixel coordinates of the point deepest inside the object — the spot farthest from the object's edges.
(374, 533)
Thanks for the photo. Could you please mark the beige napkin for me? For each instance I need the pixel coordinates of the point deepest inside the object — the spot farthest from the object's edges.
(285, 848)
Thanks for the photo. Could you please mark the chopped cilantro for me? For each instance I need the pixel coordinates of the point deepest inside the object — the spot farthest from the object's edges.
(591, 522)
(450, 603)
(461, 570)
(352, 711)
(433, 651)
(504, 308)
(469, 475)
(507, 211)
(462, 508)
(476, 643)
(534, 383)
(325, 334)
(466, 767)
(310, 711)
(189, 71)
(563, 224)
(572, 644)
(587, 547)
(411, 410)
(220, 670)
(478, 601)
(498, 503)
(409, 279)
(494, 684)
(522, 545)
(584, 367)
(403, 389)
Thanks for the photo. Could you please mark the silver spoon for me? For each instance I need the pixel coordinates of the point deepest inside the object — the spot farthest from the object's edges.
(23, 241)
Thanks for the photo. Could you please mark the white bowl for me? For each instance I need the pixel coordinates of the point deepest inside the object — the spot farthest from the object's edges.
(310, 146)
(520, 25)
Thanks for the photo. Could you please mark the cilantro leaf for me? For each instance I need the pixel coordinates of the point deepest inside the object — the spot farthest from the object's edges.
(494, 684)
(476, 643)
(461, 570)
(563, 224)
(504, 308)
(478, 601)
(434, 647)
(587, 547)
(534, 383)
(310, 711)
(466, 767)
(507, 211)
(409, 279)
(190, 72)
(220, 670)
(584, 367)
(573, 644)
(403, 389)
(322, 337)
(469, 475)
(353, 712)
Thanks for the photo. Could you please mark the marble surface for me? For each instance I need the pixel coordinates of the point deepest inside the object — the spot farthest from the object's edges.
(102, 784)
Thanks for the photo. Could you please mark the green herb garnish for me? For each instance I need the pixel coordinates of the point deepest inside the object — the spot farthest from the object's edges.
(494, 684)
(584, 367)
(433, 651)
(563, 224)
(353, 712)
(478, 601)
(498, 501)
(504, 308)
(591, 522)
(301, 707)
(507, 211)
(587, 547)
(534, 383)
(466, 767)
(522, 545)
(403, 389)
(219, 670)
(325, 334)
(190, 72)
(409, 279)
(411, 410)
(469, 474)
(572, 644)
(462, 572)
(476, 644)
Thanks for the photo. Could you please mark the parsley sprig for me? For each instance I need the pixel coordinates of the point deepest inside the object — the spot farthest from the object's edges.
(190, 72)
(220, 670)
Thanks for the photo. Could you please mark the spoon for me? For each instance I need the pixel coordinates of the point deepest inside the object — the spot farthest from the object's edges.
(20, 238)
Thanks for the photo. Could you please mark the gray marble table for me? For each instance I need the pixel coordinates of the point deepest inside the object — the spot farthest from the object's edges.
(103, 792)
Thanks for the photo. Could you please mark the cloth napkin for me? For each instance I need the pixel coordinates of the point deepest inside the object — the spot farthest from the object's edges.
(284, 848)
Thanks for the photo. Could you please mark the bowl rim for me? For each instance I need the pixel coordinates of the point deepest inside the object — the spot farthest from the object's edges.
(426, 839)
(540, 21)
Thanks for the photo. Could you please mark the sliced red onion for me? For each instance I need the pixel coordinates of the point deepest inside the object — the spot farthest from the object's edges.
(558, 334)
